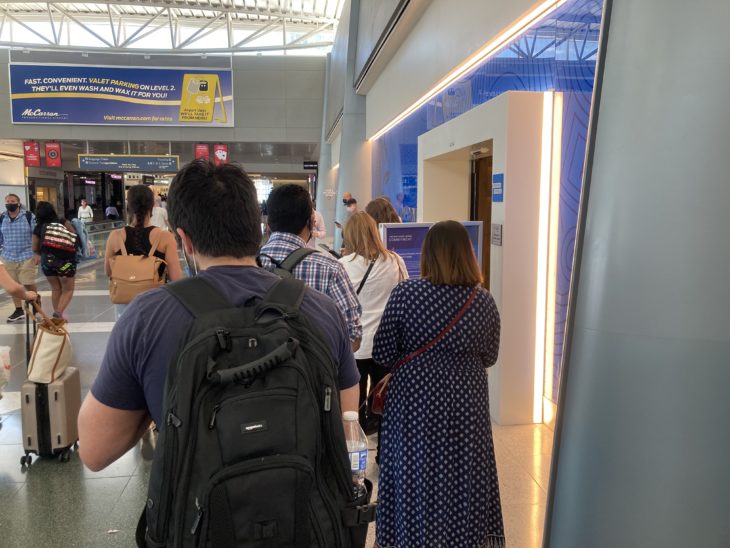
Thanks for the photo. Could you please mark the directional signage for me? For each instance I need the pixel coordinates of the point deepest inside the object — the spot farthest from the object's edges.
(124, 162)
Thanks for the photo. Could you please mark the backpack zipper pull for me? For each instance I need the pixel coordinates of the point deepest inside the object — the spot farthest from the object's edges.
(172, 420)
(198, 518)
(327, 399)
(211, 423)
(224, 338)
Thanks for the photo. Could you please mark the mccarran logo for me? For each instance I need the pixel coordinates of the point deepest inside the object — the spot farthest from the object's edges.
(38, 113)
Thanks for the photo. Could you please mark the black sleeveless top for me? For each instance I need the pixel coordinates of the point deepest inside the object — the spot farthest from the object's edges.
(137, 241)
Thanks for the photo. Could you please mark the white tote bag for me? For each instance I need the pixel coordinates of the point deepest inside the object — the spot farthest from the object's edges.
(51, 353)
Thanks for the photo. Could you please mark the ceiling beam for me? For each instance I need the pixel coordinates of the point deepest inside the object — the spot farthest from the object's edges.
(186, 51)
(179, 5)
(140, 29)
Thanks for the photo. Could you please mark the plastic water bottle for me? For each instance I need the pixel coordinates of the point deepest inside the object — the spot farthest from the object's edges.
(357, 449)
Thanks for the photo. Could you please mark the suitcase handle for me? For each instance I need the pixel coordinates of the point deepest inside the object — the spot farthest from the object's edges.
(257, 367)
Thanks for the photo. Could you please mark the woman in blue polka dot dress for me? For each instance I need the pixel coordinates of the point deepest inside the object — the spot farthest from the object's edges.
(438, 478)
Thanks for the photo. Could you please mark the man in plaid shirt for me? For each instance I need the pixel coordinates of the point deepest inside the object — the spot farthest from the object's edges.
(16, 240)
(290, 219)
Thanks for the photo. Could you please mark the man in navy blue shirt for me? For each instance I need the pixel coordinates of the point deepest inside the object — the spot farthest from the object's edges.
(129, 389)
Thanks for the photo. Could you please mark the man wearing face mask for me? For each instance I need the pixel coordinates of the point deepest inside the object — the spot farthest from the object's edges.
(290, 220)
(16, 239)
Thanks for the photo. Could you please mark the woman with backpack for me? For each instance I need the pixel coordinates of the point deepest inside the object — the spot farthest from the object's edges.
(141, 237)
(56, 241)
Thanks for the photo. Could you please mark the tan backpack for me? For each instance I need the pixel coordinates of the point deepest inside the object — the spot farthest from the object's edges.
(134, 274)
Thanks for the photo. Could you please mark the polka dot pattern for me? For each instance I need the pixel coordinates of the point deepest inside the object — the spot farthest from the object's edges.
(438, 477)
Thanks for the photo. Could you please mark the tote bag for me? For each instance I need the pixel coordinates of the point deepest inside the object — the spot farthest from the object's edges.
(51, 352)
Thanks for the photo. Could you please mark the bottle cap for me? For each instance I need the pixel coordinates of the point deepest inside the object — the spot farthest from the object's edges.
(350, 416)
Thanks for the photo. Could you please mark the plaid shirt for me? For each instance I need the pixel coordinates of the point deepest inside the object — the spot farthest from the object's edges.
(320, 272)
(16, 237)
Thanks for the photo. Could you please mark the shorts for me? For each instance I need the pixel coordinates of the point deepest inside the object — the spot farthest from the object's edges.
(23, 272)
(61, 267)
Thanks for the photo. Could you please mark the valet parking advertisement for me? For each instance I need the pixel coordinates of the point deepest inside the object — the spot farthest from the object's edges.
(129, 96)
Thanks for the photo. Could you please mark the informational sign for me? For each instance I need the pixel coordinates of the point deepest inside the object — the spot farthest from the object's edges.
(124, 162)
(53, 154)
(406, 239)
(220, 154)
(498, 187)
(496, 234)
(31, 154)
(310, 165)
(133, 96)
(202, 151)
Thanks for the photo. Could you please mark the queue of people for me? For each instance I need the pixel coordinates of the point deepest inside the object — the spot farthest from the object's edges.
(436, 336)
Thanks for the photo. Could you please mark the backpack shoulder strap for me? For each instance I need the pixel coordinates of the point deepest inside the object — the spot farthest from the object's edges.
(197, 295)
(154, 246)
(276, 263)
(287, 291)
(28, 217)
(296, 257)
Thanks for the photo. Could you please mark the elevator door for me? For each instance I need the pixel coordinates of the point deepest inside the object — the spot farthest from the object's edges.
(481, 205)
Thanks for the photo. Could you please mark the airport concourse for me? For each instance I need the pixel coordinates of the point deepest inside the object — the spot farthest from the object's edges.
(349, 273)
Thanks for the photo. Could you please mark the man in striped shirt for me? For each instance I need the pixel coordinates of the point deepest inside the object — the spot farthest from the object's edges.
(290, 220)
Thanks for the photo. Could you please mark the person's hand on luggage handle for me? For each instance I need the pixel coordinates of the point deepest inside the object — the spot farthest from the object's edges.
(30, 296)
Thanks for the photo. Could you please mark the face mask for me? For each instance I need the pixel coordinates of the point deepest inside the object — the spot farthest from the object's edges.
(344, 201)
(192, 266)
(351, 208)
(12, 207)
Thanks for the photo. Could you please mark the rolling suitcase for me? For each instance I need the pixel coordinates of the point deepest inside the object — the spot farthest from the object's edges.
(49, 412)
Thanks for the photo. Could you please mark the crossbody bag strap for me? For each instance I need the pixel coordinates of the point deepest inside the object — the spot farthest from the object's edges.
(364, 279)
(441, 335)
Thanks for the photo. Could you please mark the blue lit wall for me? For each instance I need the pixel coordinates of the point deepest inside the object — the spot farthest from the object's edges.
(557, 54)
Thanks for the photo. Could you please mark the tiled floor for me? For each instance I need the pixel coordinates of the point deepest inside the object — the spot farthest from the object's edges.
(63, 504)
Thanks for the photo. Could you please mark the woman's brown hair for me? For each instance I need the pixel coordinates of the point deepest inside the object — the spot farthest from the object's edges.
(447, 257)
(361, 237)
(382, 211)
(140, 201)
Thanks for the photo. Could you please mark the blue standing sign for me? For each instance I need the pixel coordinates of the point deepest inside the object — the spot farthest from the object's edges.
(406, 239)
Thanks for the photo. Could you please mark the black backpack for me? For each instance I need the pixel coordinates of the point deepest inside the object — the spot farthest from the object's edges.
(285, 268)
(252, 450)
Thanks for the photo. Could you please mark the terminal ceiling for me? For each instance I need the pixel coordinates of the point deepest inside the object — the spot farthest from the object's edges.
(173, 26)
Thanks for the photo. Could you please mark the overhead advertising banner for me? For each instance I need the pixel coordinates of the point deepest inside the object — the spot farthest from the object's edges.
(53, 154)
(127, 162)
(127, 96)
(31, 154)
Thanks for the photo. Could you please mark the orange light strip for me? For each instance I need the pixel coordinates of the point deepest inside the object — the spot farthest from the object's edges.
(538, 12)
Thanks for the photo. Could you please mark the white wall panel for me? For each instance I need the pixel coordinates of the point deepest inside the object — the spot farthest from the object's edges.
(513, 122)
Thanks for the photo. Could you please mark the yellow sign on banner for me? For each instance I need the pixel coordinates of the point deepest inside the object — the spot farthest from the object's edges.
(200, 93)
